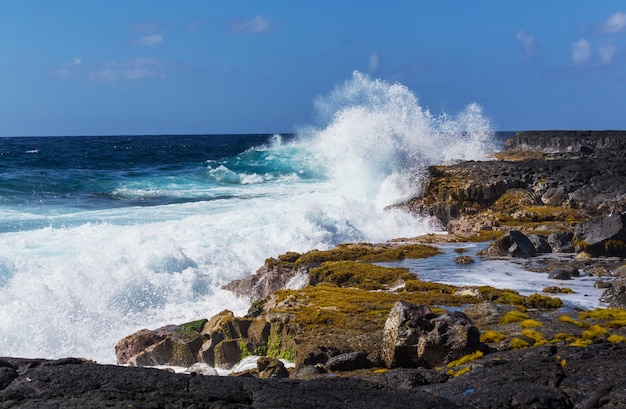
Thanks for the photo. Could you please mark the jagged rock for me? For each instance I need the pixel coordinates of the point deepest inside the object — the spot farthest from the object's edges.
(206, 353)
(185, 346)
(567, 141)
(348, 362)
(272, 277)
(554, 196)
(139, 341)
(413, 336)
(615, 296)
(271, 368)
(159, 353)
(602, 236)
(178, 348)
(405, 324)
(540, 243)
(216, 322)
(561, 242)
(453, 336)
(512, 244)
(228, 352)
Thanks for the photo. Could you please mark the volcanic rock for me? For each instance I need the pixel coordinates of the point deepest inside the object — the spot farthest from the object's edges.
(602, 236)
(512, 244)
(413, 336)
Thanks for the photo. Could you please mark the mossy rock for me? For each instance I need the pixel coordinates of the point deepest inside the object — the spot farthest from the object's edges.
(358, 275)
(367, 252)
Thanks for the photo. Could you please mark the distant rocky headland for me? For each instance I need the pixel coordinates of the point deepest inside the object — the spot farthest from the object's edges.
(360, 335)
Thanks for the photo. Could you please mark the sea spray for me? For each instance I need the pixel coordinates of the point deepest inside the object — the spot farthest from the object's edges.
(119, 234)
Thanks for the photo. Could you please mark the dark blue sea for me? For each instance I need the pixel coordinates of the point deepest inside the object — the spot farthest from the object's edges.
(103, 235)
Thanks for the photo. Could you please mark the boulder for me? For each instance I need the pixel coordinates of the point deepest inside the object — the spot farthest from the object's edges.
(216, 322)
(559, 274)
(602, 236)
(540, 243)
(513, 243)
(405, 324)
(178, 348)
(159, 353)
(139, 341)
(413, 336)
(229, 352)
(186, 344)
(561, 242)
(453, 336)
(271, 368)
(273, 276)
(348, 362)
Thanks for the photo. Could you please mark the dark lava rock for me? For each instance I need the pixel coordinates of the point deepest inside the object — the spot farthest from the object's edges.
(348, 362)
(540, 242)
(542, 377)
(513, 243)
(413, 336)
(539, 377)
(78, 384)
(560, 274)
(602, 236)
(561, 242)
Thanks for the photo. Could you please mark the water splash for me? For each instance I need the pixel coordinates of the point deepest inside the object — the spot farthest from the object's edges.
(375, 137)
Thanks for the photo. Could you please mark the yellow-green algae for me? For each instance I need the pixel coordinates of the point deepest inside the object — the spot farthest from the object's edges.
(360, 275)
(492, 337)
(513, 316)
(465, 359)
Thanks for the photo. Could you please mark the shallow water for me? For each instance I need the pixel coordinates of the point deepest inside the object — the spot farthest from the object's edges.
(501, 274)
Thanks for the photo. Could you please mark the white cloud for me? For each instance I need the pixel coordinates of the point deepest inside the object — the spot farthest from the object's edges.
(581, 52)
(614, 24)
(374, 62)
(69, 69)
(529, 44)
(148, 41)
(135, 69)
(254, 25)
(607, 52)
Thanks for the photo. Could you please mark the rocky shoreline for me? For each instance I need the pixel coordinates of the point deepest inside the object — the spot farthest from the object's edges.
(362, 335)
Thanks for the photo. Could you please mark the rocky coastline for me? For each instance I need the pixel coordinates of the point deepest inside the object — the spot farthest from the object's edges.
(361, 335)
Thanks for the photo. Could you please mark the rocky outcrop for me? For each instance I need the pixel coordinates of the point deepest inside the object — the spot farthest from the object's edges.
(567, 141)
(570, 184)
(512, 244)
(271, 277)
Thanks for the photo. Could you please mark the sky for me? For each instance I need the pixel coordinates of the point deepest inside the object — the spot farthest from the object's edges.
(75, 67)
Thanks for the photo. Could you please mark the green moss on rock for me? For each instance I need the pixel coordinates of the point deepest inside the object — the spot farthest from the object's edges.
(359, 275)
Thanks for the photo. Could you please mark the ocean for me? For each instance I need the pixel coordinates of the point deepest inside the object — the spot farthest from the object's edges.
(101, 236)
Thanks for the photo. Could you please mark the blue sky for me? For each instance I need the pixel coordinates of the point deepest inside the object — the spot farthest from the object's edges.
(75, 67)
